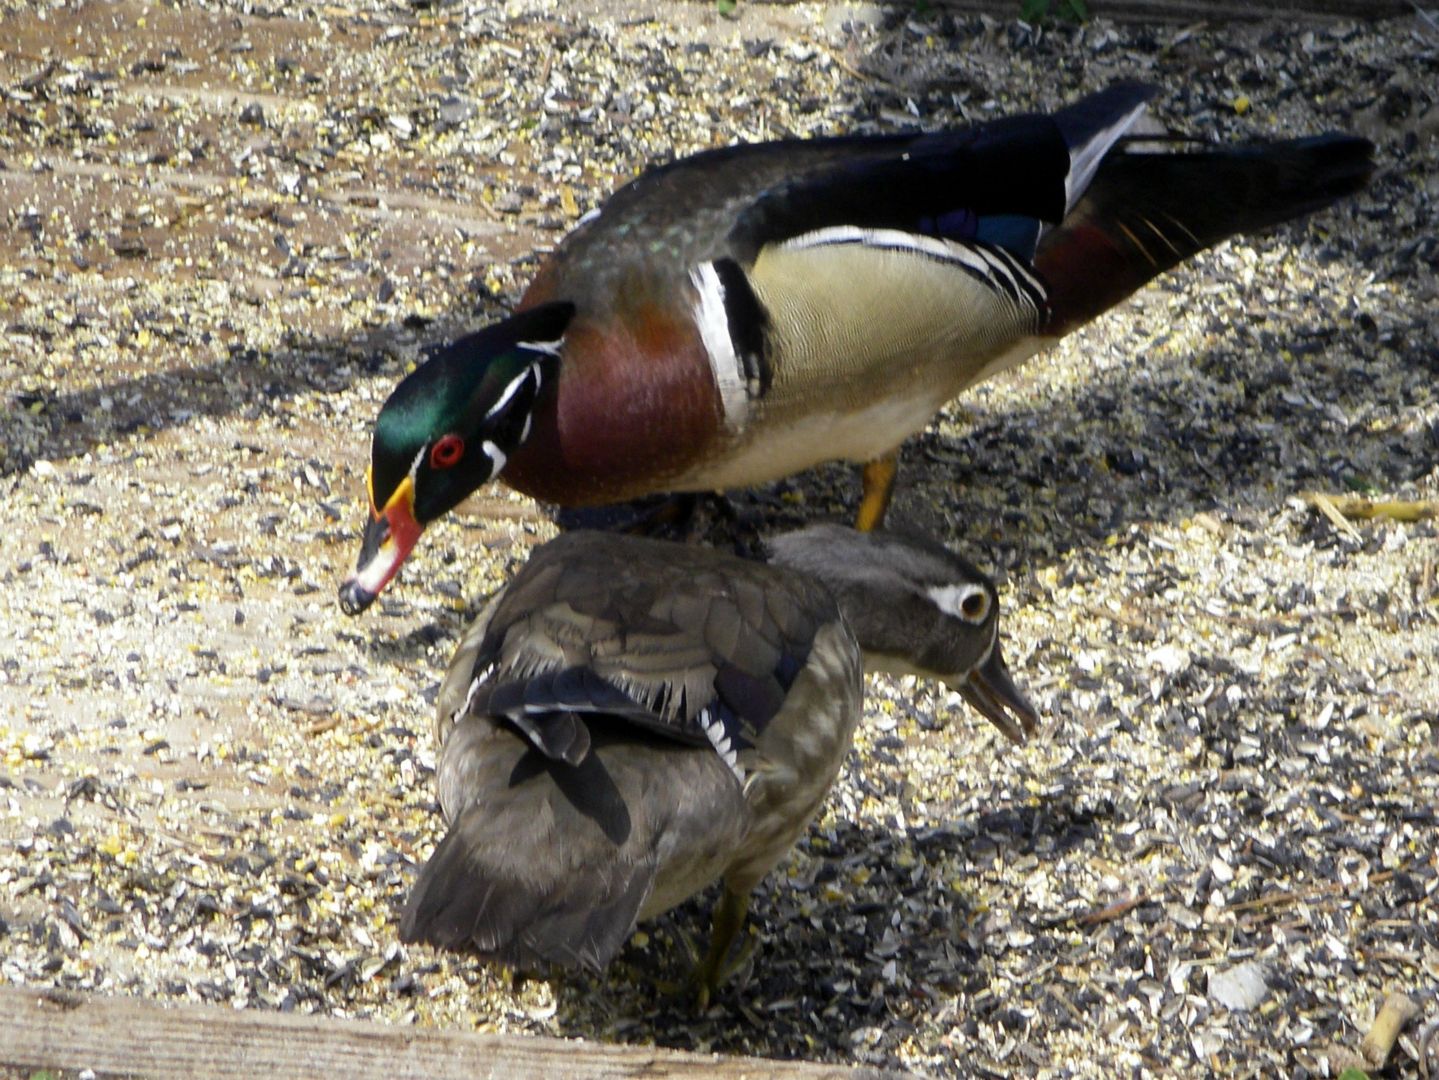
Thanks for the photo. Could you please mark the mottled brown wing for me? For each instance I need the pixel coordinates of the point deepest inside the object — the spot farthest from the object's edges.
(671, 638)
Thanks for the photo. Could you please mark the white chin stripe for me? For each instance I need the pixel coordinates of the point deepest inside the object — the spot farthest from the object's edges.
(712, 318)
(496, 455)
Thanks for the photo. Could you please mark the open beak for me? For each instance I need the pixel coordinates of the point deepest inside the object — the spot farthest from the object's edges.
(389, 537)
(990, 689)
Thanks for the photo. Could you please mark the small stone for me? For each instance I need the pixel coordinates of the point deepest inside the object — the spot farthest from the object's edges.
(454, 111)
(1239, 988)
(1171, 659)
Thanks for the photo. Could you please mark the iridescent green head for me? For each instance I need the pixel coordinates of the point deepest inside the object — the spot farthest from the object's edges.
(448, 428)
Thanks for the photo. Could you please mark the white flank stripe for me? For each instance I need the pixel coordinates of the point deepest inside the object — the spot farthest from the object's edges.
(998, 268)
(897, 239)
(712, 318)
(1012, 268)
(990, 262)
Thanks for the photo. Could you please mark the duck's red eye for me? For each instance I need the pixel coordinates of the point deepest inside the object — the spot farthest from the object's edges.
(447, 451)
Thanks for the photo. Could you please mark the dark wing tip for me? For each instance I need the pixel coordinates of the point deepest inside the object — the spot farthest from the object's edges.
(577, 922)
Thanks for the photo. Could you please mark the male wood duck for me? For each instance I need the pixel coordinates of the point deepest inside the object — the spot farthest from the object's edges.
(749, 312)
(629, 720)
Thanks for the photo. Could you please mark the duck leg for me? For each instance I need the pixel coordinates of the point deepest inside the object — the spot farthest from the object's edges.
(877, 485)
(716, 967)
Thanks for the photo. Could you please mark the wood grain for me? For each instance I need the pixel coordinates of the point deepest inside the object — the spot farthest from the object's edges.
(51, 1029)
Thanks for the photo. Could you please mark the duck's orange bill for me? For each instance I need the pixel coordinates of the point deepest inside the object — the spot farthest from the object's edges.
(389, 537)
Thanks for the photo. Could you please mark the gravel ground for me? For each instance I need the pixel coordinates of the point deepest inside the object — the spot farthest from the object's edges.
(227, 231)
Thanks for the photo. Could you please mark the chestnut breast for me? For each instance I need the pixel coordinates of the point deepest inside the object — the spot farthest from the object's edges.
(635, 404)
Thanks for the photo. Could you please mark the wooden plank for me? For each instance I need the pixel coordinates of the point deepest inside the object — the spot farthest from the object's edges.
(56, 1029)
(1207, 10)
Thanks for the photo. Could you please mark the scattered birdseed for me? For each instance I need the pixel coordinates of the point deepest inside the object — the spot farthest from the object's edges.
(231, 227)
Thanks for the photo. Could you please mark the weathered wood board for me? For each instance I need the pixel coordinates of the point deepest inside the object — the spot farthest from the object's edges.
(48, 1029)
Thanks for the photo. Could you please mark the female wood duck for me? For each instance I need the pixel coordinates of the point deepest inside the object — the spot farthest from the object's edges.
(629, 720)
(749, 312)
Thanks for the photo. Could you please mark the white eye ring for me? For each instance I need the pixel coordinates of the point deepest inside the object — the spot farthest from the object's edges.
(969, 603)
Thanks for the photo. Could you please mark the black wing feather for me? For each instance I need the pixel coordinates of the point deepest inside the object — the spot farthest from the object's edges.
(656, 649)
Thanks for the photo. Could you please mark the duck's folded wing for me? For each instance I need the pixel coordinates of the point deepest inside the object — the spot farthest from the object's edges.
(685, 646)
(997, 184)
(909, 253)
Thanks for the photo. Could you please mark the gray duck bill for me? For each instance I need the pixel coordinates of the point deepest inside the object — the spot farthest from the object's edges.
(992, 691)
